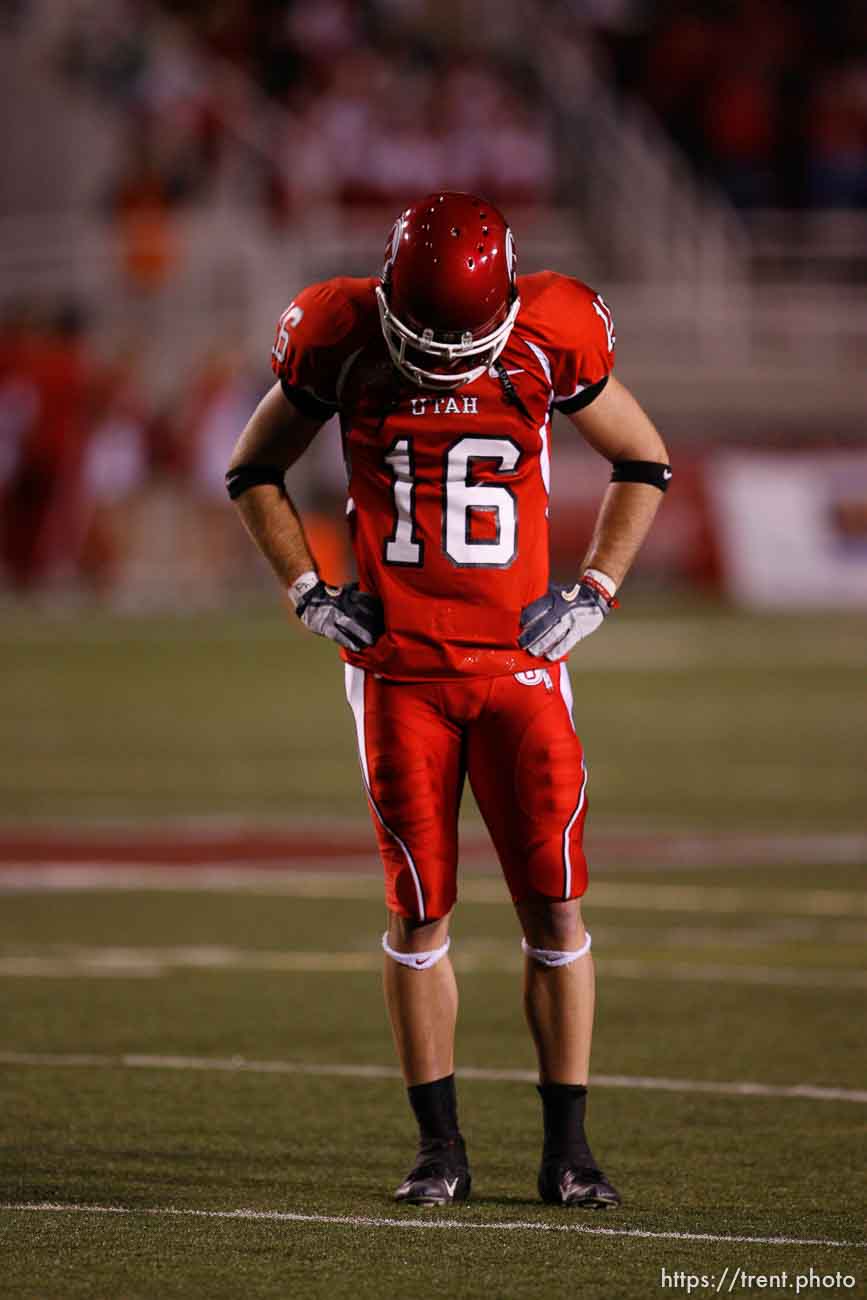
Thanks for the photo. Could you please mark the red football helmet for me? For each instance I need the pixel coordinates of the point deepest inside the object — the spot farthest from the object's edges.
(448, 289)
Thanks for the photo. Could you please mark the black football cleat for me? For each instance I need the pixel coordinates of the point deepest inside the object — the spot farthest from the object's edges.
(440, 1176)
(585, 1187)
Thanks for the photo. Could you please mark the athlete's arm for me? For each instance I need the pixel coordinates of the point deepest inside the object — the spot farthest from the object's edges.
(274, 438)
(617, 427)
(276, 435)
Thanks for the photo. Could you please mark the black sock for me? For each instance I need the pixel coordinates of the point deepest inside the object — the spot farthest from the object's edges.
(563, 1113)
(435, 1106)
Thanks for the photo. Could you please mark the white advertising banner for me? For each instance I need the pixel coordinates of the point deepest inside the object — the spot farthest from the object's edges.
(792, 527)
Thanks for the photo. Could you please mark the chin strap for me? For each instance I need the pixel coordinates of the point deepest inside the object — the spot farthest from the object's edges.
(550, 956)
(416, 960)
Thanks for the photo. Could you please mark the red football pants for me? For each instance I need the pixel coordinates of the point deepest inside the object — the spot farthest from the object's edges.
(513, 736)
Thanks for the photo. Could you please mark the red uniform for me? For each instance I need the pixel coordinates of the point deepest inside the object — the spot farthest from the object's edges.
(448, 510)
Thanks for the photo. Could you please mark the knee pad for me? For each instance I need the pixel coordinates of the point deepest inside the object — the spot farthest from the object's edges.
(550, 956)
(416, 960)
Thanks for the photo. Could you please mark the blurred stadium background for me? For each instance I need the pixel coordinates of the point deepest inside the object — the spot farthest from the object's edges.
(173, 172)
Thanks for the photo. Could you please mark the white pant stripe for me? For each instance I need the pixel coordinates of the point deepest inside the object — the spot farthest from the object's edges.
(566, 692)
(354, 680)
(567, 856)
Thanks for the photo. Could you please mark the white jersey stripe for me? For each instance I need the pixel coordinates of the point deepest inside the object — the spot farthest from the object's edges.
(545, 458)
(546, 366)
(545, 454)
(541, 358)
(567, 397)
(603, 311)
(354, 679)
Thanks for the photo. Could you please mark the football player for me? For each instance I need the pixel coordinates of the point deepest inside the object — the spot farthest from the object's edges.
(444, 371)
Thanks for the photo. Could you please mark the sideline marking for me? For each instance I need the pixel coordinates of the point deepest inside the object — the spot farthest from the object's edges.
(240, 1065)
(349, 885)
(279, 843)
(67, 961)
(365, 1221)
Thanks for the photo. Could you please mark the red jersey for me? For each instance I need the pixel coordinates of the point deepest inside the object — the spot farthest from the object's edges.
(448, 490)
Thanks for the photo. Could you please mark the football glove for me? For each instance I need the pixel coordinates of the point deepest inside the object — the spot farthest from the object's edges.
(344, 614)
(557, 621)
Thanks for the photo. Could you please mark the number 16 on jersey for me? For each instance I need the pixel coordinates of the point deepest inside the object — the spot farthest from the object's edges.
(461, 497)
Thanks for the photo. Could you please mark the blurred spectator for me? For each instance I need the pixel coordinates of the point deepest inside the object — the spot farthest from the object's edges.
(142, 205)
(740, 130)
(211, 414)
(325, 31)
(837, 139)
(759, 96)
(46, 377)
(106, 47)
(217, 405)
(19, 398)
(371, 110)
(378, 98)
(115, 474)
(12, 13)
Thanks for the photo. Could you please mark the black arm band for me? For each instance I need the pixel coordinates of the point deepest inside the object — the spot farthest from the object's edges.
(241, 478)
(308, 403)
(642, 471)
(568, 405)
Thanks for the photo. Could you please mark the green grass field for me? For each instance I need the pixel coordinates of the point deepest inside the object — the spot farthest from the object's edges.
(199, 1077)
(689, 718)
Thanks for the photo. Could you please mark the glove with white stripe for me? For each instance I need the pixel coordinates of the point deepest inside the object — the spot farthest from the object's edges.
(351, 617)
(557, 621)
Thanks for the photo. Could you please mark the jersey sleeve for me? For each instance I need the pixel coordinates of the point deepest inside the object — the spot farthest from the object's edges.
(582, 332)
(310, 348)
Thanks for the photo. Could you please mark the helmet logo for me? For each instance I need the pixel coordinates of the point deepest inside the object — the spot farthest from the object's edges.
(396, 234)
(510, 254)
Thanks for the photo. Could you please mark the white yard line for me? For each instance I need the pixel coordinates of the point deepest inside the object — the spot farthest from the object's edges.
(349, 885)
(62, 961)
(792, 977)
(696, 852)
(459, 1224)
(240, 1065)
